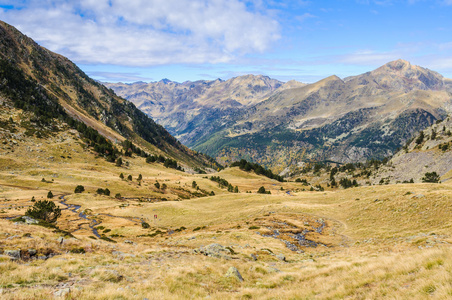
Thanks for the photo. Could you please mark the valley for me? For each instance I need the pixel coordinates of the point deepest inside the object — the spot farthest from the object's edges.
(98, 201)
(383, 239)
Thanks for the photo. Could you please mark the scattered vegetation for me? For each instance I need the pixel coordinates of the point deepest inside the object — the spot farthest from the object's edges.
(44, 210)
(258, 169)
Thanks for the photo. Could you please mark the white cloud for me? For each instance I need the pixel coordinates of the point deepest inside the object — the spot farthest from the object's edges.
(369, 57)
(145, 32)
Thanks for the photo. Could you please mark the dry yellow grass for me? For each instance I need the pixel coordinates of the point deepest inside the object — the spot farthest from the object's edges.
(380, 241)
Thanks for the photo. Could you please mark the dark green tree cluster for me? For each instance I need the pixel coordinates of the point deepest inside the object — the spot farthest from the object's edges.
(105, 192)
(130, 148)
(262, 190)
(303, 181)
(432, 177)
(223, 183)
(347, 183)
(420, 138)
(258, 169)
(44, 210)
(167, 162)
(444, 147)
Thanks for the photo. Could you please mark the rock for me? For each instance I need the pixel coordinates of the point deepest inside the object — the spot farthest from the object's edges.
(234, 273)
(215, 250)
(62, 292)
(6, 257)
(122, 255)
(15, 254)
(419, 196)
(253, 257)
(129, 242)
(191, 238)
(281, 257)
(29, 220)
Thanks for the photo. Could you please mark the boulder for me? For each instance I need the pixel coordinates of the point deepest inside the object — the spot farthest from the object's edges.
(281, 257)
(15, 254)
(234, 273)
(62, 293)
(215, 250)
(29, 220)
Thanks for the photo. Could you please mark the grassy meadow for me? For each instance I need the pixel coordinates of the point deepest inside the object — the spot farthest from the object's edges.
(390, 241)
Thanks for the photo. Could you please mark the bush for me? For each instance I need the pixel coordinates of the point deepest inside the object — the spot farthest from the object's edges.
(79, 189)
(105, 192)
(118, 196)
(431, 177)
(262, 191)
(119, 162)
(49, 195)
(145, 225)
(44, 210)
(129, 177)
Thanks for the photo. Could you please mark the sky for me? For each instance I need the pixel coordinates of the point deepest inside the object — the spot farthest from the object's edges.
(306, 40)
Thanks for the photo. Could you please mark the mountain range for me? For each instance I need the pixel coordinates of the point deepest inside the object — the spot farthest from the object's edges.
(282, 125)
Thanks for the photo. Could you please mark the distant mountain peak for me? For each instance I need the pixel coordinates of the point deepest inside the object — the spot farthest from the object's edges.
(165, 81)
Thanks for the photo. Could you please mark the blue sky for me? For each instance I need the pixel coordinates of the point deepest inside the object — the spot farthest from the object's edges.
(147, 40)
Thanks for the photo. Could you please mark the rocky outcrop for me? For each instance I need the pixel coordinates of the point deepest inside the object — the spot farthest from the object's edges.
(215, 250)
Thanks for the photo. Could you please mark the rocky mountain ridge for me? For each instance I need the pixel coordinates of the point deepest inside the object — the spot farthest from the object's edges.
(334, 119)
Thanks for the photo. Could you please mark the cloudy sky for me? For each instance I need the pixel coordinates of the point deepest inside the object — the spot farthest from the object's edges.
(133, 40)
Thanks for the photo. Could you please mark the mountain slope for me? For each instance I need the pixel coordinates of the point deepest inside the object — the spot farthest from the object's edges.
(360, 117)
(430, 153)
(194, 110)
(370, 115)
(30, 72)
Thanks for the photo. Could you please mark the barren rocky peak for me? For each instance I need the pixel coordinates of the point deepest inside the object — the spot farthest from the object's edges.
(404, 74)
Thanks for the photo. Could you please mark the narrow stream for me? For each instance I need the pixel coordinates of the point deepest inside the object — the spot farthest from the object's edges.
(75, 208)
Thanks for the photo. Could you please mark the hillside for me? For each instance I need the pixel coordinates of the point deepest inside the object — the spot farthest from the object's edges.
(52, 87)
(431, 152)
(350, 120)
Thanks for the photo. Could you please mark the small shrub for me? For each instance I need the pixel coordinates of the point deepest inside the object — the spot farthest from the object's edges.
(49, 195)
(79, 189)
(262, 191)
(145, 225)
(77, 250)
(118, 196)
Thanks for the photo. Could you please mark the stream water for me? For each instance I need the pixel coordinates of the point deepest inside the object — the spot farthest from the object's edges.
(74, 209)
